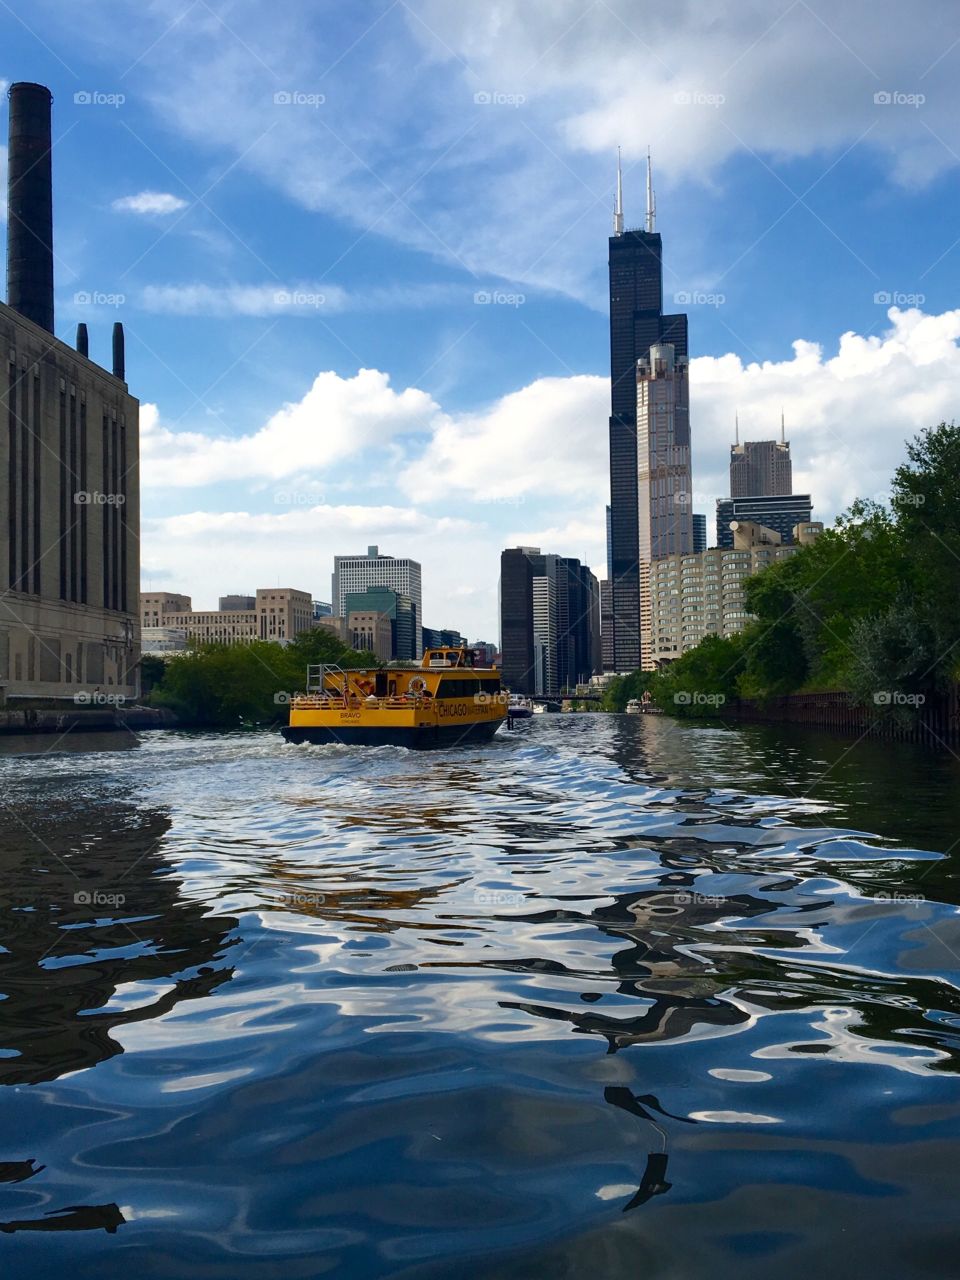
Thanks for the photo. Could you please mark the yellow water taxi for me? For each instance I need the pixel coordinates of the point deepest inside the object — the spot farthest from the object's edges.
(443, 702)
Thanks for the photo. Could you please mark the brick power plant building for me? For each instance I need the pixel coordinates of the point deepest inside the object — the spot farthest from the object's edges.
(69, 465)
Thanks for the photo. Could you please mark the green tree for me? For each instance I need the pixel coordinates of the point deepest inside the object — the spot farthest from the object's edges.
(223, 685)
(703, 680)
(926, 502)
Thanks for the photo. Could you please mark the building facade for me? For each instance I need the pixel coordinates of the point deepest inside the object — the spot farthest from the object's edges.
(760, 468)
(545, 634)
(703, 594)
(156, 605)
(163, 642)
(780, 513)
(664, 483)
(637, 323)
(398, 609)
(699, 532)
(278, 613)
(359, 573)
(565, 617)
(371, 632)
(69, 462)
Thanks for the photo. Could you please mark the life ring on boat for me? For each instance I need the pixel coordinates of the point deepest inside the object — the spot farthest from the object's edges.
(417, 685)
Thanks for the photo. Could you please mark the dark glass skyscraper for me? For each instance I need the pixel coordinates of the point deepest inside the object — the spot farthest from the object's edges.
(637, 323)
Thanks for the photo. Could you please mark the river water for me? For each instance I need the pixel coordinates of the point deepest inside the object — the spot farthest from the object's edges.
(610, 996)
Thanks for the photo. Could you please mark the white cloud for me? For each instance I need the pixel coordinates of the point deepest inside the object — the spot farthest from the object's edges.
(161, 202)
(532, 466)
(519, 183)
(303, 298)
(336, 418)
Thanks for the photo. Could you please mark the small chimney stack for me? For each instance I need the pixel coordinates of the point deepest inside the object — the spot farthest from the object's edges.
(119, 358)
(83, 343)
(30, 204)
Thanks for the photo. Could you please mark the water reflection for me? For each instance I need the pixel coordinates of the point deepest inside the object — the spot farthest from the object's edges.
(96, 934)
(610, 990)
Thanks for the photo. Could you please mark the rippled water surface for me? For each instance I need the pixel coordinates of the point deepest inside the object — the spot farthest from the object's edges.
(607, 997)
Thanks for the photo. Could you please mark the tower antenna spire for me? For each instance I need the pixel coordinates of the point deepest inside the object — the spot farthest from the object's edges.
(783, 429)
(618, 206)
(651, 224)
(736, 428)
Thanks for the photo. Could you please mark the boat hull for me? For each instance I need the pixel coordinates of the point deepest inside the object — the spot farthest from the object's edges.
(416, 737)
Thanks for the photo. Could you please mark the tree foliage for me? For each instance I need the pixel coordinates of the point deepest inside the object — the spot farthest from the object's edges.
(229, 685)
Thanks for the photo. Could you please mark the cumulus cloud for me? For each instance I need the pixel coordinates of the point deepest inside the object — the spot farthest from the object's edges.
(159, 202)
(336, 418)
(532, 466)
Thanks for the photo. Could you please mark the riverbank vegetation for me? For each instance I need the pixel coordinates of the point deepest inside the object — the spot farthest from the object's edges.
(871, 608)
(229, 685)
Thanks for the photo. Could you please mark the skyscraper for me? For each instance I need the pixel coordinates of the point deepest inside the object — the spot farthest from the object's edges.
(779, 513)
(549, 621)
(663, 469)
(760, 468)
(637, 323)
(358, 573)
(699, 533)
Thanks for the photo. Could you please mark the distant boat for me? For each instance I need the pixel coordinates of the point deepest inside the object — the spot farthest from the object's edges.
(519, 707)
(633, 707)
(539, 708)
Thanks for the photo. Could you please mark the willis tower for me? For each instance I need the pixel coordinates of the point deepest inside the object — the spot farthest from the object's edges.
(637, 323)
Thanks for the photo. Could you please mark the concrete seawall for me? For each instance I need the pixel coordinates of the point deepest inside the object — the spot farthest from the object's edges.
(84, 719)
(936, 721)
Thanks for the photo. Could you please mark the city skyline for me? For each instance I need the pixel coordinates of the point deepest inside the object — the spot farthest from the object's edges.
(215, 196)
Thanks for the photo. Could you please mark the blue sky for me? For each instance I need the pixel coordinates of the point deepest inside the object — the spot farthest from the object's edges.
(274, 198)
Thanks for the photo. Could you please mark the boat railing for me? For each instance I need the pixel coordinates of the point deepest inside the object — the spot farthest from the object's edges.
(316, 701)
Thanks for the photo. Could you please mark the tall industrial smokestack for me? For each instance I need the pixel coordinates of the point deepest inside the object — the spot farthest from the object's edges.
(119, 360)
(30, 205)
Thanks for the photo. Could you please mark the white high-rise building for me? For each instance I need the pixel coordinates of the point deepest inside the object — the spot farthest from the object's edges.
(545, 635)
(358, 573)
(664, 480)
